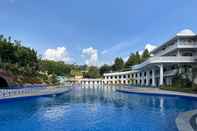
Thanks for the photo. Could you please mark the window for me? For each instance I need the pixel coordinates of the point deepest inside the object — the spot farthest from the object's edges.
(129, 76)
(187, 54)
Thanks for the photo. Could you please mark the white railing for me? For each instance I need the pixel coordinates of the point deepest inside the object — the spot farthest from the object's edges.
(188, 43)
(166, 59)
(118, 73)
(167, 49)
(12, 93)
(175, 46)
(170, 72)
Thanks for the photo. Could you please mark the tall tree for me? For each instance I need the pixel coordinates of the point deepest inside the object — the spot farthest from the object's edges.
(118, 64)
(131, 61)
(105, 69)
(93, 72)
(137, 58)
(145, 55)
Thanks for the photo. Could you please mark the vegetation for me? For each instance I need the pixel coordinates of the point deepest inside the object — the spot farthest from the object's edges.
(24, 63)
(21, 61)
(105, 69)
(182, 82)
(118, 64)
(93, 72)
(135, 58)
(57, 68)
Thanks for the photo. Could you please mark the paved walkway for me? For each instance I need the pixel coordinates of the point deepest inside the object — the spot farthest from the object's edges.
(156, 91)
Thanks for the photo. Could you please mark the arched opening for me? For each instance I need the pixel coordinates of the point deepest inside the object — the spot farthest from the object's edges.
(3, 83)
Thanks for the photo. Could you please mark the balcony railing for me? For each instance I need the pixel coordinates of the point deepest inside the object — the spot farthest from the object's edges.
(175, 46)
(167, 49)
(165, 59)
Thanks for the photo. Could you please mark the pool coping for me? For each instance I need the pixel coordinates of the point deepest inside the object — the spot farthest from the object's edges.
(186, 121)
(51, 93)
(156, 91)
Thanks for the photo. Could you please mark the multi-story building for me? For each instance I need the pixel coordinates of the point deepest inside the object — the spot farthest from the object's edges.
(178, 54)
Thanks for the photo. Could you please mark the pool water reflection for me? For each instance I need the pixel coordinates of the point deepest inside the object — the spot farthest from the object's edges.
(94, 109)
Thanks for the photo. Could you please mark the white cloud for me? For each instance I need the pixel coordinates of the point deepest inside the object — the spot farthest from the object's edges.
(149, 47)
(91, 56)
(57, 54)
(125, 58)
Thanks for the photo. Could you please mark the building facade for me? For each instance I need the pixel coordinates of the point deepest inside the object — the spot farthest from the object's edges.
(177, 55)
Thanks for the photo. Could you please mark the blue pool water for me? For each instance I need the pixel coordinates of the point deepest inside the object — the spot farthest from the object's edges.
(94, 109)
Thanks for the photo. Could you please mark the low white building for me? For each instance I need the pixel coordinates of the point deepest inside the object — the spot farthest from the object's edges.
(91, 81)
(84, 81)
(176, 55)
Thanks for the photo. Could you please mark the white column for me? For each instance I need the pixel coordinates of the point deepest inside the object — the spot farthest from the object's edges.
(122, 79)
(161, 75)
(178, 53)
(153, 78)
(147, 78)
(139, 78)
(142, 78)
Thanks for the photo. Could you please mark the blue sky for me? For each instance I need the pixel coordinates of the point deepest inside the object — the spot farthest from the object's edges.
(94, 31)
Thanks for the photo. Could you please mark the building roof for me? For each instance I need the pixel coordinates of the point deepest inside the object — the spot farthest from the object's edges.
(186, 32)
(182, 34)
(119, 73)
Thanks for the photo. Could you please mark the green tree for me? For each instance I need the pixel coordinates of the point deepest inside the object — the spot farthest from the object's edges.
(93, 72)
(145, 55)
(137, 59)
(131, 61)
(105, 69)
(118, 64)
(57, 68)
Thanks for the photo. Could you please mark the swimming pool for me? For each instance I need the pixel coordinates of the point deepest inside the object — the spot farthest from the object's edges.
(94, 109)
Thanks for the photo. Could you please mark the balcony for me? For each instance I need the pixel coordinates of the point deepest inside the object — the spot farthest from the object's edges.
(166, 59)
(167, 50)
(182, 44)
(187, 45)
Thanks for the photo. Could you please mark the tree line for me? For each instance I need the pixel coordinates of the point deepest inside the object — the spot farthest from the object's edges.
(28, 67)
(120, 65)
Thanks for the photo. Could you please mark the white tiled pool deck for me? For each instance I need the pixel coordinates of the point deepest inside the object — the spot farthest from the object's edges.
(156, 91)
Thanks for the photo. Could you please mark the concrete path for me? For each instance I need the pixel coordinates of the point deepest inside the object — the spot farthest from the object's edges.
(156, 91)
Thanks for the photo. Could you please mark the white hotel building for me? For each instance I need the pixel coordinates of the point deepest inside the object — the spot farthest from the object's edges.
(176, 55)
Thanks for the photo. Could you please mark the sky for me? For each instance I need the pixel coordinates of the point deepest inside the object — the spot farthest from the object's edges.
(94, 32)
